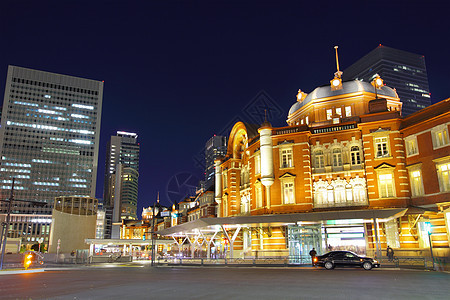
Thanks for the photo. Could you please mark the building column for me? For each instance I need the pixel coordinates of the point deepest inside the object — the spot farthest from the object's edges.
(218, 185)
(267, 177)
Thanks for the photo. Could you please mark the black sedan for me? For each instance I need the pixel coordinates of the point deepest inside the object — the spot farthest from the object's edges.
(345, 259)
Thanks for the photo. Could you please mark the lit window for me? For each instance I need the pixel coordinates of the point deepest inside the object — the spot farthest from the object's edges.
(286, 158)
(319, 159)
(339, 111)
(440, 136)
(444, 176)
(348, 111)
(416, 182)
(288, 193)
(329, 114)
(386, 185)
(258, 195)
(337, 157)
(225, 180)
(411, 146)
(381, 146)
(355, 155)
(257, 164)
(307, 120)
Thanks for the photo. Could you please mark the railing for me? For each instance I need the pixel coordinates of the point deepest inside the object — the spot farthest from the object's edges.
(340, 204)
(334, 128)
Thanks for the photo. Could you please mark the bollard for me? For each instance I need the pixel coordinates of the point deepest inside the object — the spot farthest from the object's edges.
(254, 262)
(225, 261)
(202, 261)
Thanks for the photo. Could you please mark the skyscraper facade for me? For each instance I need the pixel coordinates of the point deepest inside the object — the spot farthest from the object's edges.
(404, 71)
(49, 135)
(50, 129)
(121, 179)
(214, 148)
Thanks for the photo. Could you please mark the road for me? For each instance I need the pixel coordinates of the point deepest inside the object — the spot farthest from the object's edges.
(144, 282)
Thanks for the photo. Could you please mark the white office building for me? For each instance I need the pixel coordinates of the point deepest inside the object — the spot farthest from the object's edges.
(49, 137)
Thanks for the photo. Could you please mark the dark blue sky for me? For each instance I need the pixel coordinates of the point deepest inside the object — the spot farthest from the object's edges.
(177, 72)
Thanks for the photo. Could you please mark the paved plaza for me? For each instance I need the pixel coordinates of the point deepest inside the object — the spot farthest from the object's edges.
(144, 282)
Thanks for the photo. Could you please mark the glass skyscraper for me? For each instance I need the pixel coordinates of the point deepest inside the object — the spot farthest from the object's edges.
(121, 179)
(402, 70)
(49, 137)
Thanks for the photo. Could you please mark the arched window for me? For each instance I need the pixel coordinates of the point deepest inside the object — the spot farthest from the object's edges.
(359, 193)
(355, 155)
(320, 195)
(337, 157)
(319, 159)
(339, 194)
(330, 195)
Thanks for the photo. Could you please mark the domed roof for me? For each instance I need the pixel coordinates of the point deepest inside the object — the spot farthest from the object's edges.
(348, 87)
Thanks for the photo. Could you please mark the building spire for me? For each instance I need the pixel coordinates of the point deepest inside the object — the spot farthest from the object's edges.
(157, 200)
(339, 72)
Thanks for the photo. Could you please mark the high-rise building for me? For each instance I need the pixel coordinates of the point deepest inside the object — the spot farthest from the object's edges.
(214, 148)
(50, 129)
(121, 179)
(404, 71)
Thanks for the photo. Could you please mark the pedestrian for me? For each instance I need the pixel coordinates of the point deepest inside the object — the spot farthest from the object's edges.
(390, 253)
(313, 254)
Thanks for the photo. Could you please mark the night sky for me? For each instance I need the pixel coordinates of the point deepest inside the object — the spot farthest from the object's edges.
(177, 72)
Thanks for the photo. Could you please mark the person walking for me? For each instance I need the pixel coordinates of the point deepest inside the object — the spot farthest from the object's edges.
(313, 254)
(390, 253)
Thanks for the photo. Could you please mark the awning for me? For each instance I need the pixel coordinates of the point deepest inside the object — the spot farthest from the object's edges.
(285, 219)
(125, 241)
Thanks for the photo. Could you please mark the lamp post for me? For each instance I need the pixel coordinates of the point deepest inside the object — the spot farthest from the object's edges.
(6, 225)
(428, 229)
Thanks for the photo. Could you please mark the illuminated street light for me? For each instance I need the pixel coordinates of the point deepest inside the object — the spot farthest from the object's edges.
(427, 227)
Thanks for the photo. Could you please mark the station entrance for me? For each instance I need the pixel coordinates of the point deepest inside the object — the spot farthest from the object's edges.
(301, 240)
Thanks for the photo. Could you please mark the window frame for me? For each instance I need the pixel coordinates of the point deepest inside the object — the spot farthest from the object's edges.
(443, 128)
(408, 140)
(289, 157)
(417, 190)
(376, 143)
(385, 187)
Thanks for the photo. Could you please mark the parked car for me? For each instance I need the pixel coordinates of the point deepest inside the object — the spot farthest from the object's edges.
(334, 259)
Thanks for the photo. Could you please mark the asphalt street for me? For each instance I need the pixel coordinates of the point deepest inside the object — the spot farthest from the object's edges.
(144, 282)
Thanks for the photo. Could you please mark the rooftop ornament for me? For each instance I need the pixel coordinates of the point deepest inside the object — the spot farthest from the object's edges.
(336, 82)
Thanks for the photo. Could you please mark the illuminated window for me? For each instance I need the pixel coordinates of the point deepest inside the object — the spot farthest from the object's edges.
(337, 157)
(258, 195)
(443, 170)
(286, 158)
(319, 159)
(225, 180)
(307, 120)
(339, 111)
(439, 135)
(348, 111)
(288, 192)
(386, 185)
(381, 146)
(355, 155)
(411, 146)
(257, 163)
(415, 177)
(329, 114)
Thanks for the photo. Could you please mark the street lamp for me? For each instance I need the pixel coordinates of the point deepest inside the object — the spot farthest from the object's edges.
(427, 226)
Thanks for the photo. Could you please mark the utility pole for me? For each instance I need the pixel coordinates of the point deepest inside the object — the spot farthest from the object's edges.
(153, 237)
(6, 224)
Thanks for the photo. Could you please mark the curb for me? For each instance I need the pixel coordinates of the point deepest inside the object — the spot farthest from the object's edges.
(22, 271)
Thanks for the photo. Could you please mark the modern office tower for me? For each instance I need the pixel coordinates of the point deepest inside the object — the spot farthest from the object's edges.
(50, 129)
(214, 148)
(121, 179)
(404, 71)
